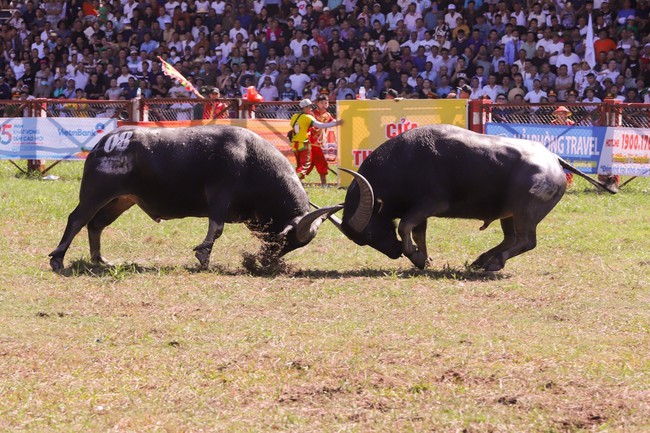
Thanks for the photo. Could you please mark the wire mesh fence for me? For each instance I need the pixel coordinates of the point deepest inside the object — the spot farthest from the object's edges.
(15, 108)
(84, 108)
(581, 114)
(635, 115)
(277, 110)
(160, 110)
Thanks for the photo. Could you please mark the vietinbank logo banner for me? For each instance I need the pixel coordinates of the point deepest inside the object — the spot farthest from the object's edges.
(581, 146)
(51, 137)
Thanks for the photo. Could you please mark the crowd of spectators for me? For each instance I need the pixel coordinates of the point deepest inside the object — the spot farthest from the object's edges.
(533, 51)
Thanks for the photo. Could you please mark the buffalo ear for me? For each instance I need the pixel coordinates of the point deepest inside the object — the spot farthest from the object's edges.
(380, 205)
(309, 224)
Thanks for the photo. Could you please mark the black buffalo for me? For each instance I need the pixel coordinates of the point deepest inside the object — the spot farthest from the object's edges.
(450, 172)
(227, 174)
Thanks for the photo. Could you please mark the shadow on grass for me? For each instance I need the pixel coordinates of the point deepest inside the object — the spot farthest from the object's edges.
(446, 273)
(122, 271)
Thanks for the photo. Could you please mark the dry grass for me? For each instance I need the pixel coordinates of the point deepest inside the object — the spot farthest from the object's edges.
(344, 340)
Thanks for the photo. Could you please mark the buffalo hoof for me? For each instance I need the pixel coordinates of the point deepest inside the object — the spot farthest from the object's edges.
(203, 256)
(494, 265)
(481, 262)
(56, 263)
(419, 259)
(99, 260)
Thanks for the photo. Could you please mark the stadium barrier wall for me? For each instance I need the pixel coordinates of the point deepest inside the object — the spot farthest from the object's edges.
(68, 127)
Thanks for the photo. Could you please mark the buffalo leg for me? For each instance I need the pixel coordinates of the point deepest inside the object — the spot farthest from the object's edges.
(526, 241)
(101, 220)
(415, 224)
(79, 217)
(509, 239)
(217, 219)
(420, 239)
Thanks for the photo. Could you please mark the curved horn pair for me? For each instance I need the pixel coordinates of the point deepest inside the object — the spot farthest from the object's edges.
(308, 225)
(361, 217)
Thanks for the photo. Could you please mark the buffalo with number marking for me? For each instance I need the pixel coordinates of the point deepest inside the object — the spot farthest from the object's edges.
(450, 172)
(227, 174)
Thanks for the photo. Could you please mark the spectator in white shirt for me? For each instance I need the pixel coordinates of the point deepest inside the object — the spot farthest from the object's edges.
(535, 95)
(393, 17)
(492, 89)
(567, 57)
(451, 16)
(238, 29)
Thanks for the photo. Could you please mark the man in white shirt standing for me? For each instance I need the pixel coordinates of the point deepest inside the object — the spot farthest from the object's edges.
(393, 17)
(535, 96)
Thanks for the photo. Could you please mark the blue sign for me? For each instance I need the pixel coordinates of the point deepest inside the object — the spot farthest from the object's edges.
(581, 146)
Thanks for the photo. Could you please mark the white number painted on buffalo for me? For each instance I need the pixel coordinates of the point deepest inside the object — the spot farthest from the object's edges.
(118, 142)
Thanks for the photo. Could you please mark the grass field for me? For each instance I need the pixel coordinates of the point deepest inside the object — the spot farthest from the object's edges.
(346, 341)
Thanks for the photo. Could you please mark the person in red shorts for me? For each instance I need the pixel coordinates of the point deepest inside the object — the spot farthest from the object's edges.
(301, 123)
(317, 138)
(562, 118)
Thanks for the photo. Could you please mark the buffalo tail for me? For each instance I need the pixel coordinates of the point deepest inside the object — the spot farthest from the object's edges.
(565, 165)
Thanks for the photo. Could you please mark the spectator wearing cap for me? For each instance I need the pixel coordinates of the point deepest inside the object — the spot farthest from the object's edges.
(451, 16)
(377, 15)
(134, 62)
(214, 109)
(561, 117)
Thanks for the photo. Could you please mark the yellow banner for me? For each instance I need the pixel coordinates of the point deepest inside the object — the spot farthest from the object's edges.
(369, 123)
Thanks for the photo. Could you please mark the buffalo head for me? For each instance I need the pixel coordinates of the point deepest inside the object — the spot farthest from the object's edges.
(302, 230)
(363, 221)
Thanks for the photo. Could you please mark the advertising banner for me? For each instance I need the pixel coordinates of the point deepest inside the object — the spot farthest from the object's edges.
(626, 152)
(369, 123)
(272, 130)
(51, 137)
(580, 146)
(591, 149)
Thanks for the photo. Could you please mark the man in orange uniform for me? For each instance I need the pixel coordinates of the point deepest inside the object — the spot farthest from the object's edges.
(562, 118)
(317, 138)
(301, 122)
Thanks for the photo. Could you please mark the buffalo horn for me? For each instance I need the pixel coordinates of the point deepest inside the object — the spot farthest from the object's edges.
(362, 215)
(333, 218)
(307, 226)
